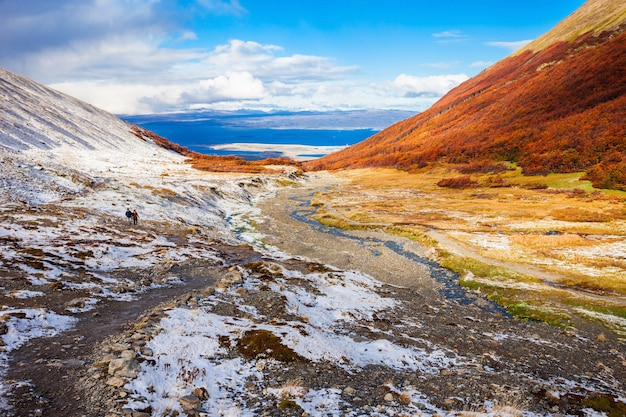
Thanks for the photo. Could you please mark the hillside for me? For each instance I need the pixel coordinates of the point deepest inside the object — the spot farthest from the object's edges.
(557, 105)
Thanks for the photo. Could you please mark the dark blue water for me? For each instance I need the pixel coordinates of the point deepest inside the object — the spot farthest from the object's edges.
(199, 136)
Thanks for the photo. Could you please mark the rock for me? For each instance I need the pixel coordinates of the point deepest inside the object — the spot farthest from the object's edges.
(349, 391)
(125, 373)
(146, 351)
(128, 354)
(116, 381)
(189, 402)
(138, 336)
(119, 347)
(122, 364)
(201, 393)
(76, 303)
(229, 278)
(389, 397)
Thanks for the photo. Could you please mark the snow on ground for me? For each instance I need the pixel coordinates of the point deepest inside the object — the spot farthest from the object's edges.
(21, 325)
(189, 354)
(68, 172)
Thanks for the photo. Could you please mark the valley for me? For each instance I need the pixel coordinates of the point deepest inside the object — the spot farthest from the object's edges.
(553, 253)
(468, 261)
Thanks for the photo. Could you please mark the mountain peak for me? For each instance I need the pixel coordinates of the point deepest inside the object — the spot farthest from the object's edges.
(594, 16)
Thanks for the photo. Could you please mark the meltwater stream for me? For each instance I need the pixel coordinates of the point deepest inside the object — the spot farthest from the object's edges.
(451, 289)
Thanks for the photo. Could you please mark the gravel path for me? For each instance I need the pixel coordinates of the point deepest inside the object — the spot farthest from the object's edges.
(287, 227)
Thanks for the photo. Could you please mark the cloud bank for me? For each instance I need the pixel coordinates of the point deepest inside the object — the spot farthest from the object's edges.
(127, 57)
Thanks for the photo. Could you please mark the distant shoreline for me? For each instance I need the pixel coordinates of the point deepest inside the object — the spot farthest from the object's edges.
(294, 151)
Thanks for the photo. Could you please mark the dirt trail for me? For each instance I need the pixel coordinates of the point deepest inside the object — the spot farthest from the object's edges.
(54, 365)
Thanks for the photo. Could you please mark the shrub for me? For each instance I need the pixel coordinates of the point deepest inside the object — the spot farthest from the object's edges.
(483, 167)
(458, 182)
(255, 343)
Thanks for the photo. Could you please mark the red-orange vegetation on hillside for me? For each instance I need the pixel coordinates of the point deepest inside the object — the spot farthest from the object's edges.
(236, 163)
(214, 163)
(562, 109)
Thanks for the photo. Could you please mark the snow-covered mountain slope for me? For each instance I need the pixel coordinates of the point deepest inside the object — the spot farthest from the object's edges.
(53, 145)
(68, 173)
(37, 117)
(56, 148)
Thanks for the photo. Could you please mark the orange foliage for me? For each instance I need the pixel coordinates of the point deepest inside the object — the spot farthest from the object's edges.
(562, 109)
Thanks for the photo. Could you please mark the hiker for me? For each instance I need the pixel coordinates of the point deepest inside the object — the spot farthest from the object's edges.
(129, 215)
(135, 217)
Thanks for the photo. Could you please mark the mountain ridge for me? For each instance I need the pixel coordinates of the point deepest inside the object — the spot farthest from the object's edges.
(556, 110)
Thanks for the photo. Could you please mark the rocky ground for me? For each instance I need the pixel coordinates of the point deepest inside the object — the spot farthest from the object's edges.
(409, 342)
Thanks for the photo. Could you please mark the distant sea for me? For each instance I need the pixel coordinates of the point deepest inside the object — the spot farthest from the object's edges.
(314, 134)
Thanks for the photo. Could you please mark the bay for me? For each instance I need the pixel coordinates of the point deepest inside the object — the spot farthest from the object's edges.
(204, 136)
(256, 135)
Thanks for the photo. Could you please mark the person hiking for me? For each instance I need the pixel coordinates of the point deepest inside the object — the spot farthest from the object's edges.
(129, 215)
(135, 217)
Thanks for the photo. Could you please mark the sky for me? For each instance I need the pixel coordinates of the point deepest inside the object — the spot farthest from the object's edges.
(156, 56)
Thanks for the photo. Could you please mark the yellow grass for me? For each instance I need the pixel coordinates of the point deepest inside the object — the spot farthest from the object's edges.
(555, 231)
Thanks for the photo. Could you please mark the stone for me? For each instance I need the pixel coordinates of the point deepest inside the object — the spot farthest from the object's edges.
(146, 351)
(125, 373)
(116, 381)
(201, 393)
(77, 303)
(119, 347)
(128, 354)
(122, 364)
(349, 391)
(189, 402)
(389, 397)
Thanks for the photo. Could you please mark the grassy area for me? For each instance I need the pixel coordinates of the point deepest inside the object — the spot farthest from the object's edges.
(557, 224)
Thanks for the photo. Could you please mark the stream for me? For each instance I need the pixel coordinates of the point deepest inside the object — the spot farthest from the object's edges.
(304, 212)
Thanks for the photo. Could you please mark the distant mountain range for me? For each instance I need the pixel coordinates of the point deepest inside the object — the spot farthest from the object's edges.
(305, 120)
(557, 105)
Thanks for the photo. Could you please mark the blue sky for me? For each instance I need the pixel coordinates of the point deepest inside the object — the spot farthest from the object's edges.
(151, 56)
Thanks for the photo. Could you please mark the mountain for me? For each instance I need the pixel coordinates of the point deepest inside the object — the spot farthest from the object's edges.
(557, 105)
(373, 119)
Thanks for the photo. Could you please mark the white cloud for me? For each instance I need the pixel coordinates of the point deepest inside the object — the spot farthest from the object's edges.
(429, 87)
(449, 34)
(481, 64)
(188, 35)
(513, 46)
(266, 63)
(128, 57)
(232, 86)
